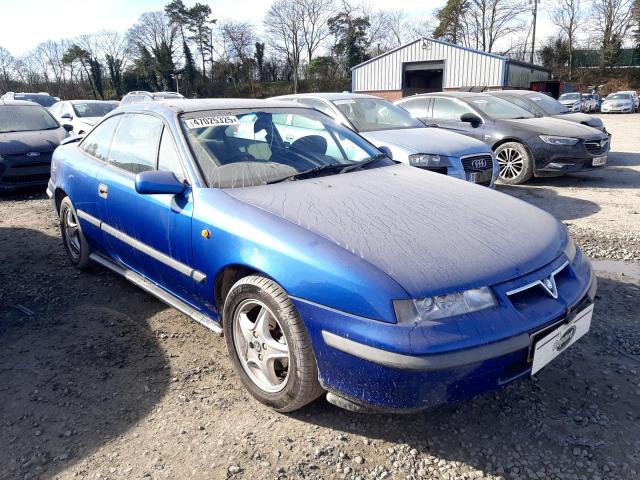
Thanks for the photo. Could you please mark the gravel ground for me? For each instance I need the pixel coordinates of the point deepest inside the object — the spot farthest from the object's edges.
(100, 380)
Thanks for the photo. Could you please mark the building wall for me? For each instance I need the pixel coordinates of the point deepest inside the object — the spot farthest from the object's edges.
(391, 95)
(462, 67)
(521, 76)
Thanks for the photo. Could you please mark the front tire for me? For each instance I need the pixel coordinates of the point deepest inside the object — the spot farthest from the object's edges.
(515, 162)
(75, 244)
(269, 346)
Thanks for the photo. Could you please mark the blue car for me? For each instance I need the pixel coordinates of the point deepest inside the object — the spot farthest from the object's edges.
(327, 266)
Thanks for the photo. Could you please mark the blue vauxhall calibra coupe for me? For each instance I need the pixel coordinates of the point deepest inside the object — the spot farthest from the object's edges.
(328, 266)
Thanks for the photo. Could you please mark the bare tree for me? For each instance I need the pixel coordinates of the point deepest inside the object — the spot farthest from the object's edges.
(567, 17)
(154, 31)
(611, 22)
(283, 23)
(115, 52)
(236, 41)
(489, 21)
(313, 23)
(7, 63)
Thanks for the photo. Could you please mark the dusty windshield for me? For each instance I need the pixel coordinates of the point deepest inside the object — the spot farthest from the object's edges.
(371, 114)
(548, 104)
(243, 148)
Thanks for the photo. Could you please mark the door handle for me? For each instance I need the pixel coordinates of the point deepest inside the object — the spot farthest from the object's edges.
(103, 190)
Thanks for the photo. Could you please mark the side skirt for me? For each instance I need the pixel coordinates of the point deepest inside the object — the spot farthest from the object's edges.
(159, 293)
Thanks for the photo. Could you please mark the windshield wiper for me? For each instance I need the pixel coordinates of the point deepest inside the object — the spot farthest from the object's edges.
(337, 167)
(360, 165)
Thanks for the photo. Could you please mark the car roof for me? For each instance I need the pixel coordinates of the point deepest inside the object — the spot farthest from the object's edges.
(90, 101)
(330, 96)
(448, 94)
(17, 103)
(186, 105)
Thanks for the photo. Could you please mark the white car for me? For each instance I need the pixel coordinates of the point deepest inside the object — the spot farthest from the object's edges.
(589, 103)
(634, 96)
(82, 115)
(618, 103)
(573, 101)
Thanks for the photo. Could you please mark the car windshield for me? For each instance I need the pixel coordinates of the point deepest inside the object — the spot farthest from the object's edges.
(371, 114)
(24, 118)
(93, 109)
(570, 96)
(44, 100)
(244, 148)
(548, 104)
(619, 96)
(498, 108)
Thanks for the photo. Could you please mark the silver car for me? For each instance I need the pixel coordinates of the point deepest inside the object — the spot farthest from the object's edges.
(573, 101)
(409, 140)
(82, 115)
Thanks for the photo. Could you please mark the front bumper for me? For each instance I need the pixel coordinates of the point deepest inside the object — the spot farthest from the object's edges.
(552, 160)
(612, 109)
(376, 366)
(484, 173)
(20, 171)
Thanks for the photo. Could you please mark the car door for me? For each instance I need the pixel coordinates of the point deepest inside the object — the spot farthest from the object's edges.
(150, 234)
(84, 170)
(446, 113)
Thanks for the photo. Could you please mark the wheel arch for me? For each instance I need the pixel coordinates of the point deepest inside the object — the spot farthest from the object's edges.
(514, 140)
(227, 277)
(58, 196)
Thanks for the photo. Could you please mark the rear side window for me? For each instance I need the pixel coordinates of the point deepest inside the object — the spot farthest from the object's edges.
(417, 107)
(135, 144)
(446, 109)
(98, 142)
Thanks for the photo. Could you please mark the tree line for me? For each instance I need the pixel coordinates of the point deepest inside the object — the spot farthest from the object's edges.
(302, 45)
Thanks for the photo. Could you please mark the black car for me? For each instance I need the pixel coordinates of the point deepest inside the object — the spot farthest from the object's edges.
(525, 145)
(28, 137)
(41, 98)
(542, 105)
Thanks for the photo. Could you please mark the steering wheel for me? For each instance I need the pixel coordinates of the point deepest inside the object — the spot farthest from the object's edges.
(241, 157)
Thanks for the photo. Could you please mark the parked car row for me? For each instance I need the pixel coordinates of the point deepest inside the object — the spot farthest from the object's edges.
(527, 139)
(329, 266)
(620, 102)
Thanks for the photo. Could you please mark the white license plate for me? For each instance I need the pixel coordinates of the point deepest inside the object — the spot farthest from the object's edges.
(556, 342)
(597, 161)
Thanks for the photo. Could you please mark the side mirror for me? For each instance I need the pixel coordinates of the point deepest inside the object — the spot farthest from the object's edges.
(67, 116)
(387, 151)
(471, 118)
(158, 182)
(68, 127)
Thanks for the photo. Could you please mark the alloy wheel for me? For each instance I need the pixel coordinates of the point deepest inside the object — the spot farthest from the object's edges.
(72, 232)
(261, 345)
(511, 163)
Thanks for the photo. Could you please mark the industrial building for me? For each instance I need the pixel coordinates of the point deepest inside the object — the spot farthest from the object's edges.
(427, 65)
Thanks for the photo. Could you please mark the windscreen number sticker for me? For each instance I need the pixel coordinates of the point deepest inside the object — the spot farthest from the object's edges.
(211, 121)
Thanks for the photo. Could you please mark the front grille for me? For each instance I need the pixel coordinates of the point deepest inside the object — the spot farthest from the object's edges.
(31, 165)
(477, 163)
(595, 147)
(18, 179)
(529, 294)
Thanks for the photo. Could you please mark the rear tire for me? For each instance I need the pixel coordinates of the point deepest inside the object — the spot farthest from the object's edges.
(75, 244)
(269, 345)
(515, 163)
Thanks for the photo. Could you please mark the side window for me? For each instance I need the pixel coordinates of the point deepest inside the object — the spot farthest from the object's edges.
(98, 142)
(135, 144)
(519, 102)
(417, 107)
(447, 109)
(168, 160)
(318, 105)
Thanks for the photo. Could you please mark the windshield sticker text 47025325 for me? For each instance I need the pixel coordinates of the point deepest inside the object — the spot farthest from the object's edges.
(211, 121)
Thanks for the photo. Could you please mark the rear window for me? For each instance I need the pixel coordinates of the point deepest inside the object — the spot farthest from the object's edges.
(44, 100)
(25, 118)
(93, 109)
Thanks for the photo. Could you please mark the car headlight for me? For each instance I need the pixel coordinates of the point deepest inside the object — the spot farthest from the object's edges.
(428, 160)
(442, 306)
(554, 140)
(570, 250)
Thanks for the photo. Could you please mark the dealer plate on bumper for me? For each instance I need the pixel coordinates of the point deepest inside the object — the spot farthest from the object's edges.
(598, 161)
(556, 342)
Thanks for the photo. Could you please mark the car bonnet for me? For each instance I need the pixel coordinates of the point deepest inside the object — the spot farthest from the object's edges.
(428, 140)
(432, 234)
(43, 141)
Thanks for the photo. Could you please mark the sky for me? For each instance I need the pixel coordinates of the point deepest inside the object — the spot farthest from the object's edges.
(26, 23)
